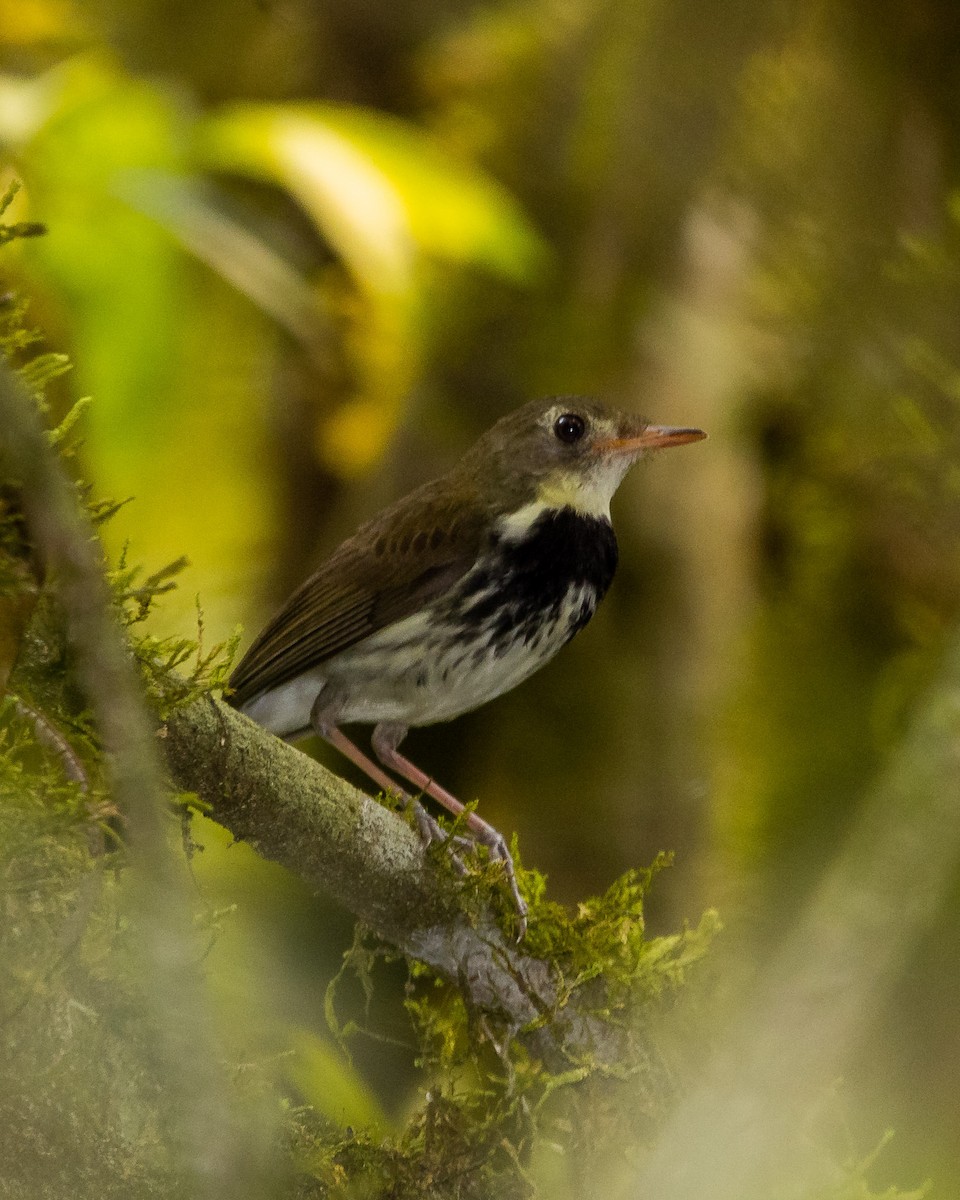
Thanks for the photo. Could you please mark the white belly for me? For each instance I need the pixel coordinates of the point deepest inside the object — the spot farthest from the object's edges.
(415, 673)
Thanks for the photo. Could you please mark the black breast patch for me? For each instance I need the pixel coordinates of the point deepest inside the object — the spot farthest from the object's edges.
(522, 584)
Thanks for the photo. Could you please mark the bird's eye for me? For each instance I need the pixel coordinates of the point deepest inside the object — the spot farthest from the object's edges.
(569, 427)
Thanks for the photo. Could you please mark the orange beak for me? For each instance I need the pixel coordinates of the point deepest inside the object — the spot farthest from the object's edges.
(654, 437)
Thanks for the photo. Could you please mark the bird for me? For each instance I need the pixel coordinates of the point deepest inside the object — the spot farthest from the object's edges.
(453, 595)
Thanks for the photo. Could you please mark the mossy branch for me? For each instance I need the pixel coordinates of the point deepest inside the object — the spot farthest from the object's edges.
(342, 842)
(215, 1153)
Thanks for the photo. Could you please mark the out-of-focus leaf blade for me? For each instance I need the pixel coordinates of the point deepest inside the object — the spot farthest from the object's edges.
(194, 215)
(165, 350)
(328, 1082)
(76, 131)
(456, 211)
(351, 201)
(379, 189)
(385, 197)
(25, 103)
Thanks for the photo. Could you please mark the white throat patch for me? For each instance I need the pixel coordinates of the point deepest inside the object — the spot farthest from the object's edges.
(588, 495)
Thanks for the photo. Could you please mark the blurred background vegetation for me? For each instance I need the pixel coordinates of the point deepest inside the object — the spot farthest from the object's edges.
(302, 253)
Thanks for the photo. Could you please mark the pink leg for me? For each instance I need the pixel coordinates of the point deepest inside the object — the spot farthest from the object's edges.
(430, 831)
(337, 738)
(386, 738)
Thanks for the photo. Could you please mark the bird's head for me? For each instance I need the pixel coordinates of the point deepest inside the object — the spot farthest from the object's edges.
(565, 452)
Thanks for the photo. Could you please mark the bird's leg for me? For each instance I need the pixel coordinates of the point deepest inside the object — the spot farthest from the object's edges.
(387, 736)
(428, 828)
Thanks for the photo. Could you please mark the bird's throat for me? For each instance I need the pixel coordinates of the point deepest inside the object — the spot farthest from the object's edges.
(583, 494)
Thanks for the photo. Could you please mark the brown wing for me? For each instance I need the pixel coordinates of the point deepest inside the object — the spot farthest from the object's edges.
(388, 570)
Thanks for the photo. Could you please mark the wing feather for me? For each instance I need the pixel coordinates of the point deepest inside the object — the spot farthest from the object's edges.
(389, 570)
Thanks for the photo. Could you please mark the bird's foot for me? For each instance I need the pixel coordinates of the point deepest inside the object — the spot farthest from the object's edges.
(496, 843)
(430, 831)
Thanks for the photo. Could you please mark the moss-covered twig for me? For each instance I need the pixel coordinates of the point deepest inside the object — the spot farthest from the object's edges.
(342, 842)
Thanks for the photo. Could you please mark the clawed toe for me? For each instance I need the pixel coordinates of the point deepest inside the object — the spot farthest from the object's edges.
(427, 826)
(500, 852)
(430, 831)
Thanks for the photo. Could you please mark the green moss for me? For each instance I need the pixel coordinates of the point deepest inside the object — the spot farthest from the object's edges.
(175, 670)
(488, 1099)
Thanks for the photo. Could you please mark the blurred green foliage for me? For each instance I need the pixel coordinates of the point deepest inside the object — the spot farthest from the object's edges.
(302, 253)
